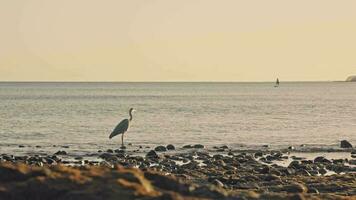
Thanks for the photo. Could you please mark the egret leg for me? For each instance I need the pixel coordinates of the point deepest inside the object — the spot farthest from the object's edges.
(122, 140)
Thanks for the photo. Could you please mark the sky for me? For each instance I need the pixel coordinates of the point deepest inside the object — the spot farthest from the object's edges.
(177, 40)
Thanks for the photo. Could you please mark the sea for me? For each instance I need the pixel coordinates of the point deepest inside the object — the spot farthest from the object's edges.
(48, 116)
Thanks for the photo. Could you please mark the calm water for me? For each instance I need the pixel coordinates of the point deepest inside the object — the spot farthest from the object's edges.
(82, 115)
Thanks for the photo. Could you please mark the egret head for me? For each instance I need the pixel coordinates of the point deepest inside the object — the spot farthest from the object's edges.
(131, 110)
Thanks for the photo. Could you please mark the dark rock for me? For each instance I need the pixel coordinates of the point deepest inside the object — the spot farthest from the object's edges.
(170, 147)
(187, 146)
(224, 147)
(218, 183)
(110, 151)
(295, 188)
(60, 153)
(38, 146)
(21, 146)
(78, 158)
(345, 144)
(313, 190)
(258, 154)
(65, 146)
(198, 146)
(160, 148)
(291, 148)
(152, 154)
(321, 159)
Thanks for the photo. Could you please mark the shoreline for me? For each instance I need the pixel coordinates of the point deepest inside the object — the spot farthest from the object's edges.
(218, 173)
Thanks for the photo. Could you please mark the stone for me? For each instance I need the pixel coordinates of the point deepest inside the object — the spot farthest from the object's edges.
(187, 146)
(198, 146)
(160, 148)
(321, 159)
(291, 148)
(218, 183)
(110, 151)
(60, 153)
(345, 144)
(170, 147)
(295, 188)
(152, 154)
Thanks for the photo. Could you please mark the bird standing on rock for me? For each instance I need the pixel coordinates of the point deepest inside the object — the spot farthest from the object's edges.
(122, 127)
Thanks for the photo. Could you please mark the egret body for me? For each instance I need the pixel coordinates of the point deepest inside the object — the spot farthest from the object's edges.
(122, 127)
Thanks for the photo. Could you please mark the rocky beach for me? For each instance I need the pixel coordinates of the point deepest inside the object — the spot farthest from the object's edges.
(185, 172)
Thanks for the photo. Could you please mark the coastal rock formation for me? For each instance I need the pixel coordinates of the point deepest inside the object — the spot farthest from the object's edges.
(351, 79)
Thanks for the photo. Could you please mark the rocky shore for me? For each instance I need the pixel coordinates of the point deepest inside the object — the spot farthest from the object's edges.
(187, 172)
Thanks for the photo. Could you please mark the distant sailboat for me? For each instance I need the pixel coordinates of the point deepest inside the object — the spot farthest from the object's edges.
(277, 83)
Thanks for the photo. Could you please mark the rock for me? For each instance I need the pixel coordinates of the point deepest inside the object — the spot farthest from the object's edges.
(170, 147)
(218, 183)
(21, 146)
(160, 148)
(65, 146)
(321, 159)
(265, 146)
(345, 144)
(291, 148)
(60, 153)
(295, 188)
(38, 146)
(152, 154)
(78, 158)
(187, 146)
(198, 146)
(110, 151)
(352, 162)
(313, 190)
(224, 147)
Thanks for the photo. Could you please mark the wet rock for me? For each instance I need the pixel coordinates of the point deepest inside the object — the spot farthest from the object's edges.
(272, 177)
(152, 154)
(322, 171)
(171, 147)
(313, 190)
(258, 154)
(218, 183)
(160, 148)
(352, 162)
(321, 159)
(189, 146)
(295, 188)
(60, 153)
(78, 158)
(198, 146)
(345, 144)
(291, 148)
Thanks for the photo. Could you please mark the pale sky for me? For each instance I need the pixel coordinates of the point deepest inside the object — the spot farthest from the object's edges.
(177, 40)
